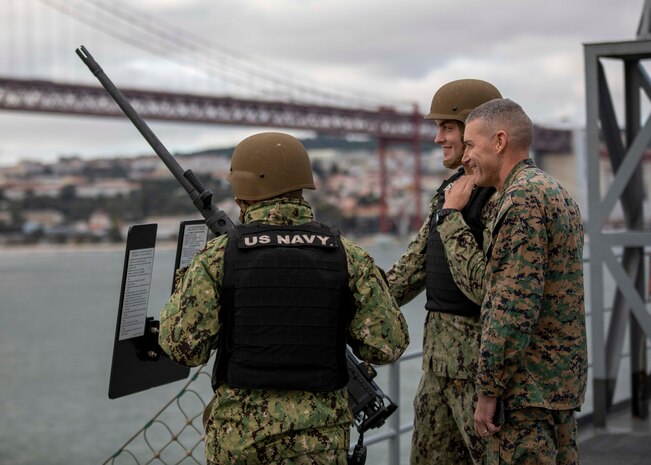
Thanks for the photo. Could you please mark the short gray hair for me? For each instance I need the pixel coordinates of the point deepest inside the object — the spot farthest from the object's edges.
(505, 114)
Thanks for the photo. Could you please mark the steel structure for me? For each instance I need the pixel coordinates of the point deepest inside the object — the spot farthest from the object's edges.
(46, 96)
(52, 97)
(385, 124)
(625, 150)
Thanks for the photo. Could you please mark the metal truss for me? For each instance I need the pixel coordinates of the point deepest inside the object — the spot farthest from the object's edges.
(625, 152)
(388, 124)
(45, 96)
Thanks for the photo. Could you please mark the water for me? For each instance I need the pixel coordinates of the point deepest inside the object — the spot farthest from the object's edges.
(57, 322)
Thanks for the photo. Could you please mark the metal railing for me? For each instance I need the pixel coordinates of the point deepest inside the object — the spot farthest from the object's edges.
(395, 429)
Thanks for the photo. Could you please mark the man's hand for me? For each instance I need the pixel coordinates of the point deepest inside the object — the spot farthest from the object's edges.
(458, 194)
(484, 416)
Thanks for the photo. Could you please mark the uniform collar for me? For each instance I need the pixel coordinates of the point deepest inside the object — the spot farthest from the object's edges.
(279, 211)
(517, 169)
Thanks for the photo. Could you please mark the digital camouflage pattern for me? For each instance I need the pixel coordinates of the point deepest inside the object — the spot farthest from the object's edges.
(535, 436)
(245, 426)
(440, 403)
(450, 350)
(533, 344)
(531, 435)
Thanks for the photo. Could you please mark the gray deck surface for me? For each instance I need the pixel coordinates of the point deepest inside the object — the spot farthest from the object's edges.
(625, 441)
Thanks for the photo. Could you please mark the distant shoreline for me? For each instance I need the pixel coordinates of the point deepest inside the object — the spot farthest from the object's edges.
(76, 248)
(381, 240)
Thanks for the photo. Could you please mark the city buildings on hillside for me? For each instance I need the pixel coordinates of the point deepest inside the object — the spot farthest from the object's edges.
(347, 180)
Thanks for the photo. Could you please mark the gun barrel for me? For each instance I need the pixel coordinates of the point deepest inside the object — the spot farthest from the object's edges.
(136, 119)
(87, 58)
(216, 219)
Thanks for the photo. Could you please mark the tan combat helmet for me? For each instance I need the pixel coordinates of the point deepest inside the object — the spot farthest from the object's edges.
(455, 100)
(268, 164)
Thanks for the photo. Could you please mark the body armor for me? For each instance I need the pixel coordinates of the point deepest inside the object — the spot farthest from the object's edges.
(443, 295)
(285, 309)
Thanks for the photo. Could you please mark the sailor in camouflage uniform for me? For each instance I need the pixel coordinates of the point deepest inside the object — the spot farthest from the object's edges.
(533, 351)
(279, 298)
(445, 400)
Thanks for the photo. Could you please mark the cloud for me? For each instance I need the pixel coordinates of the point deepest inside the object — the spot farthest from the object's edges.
(390, 52)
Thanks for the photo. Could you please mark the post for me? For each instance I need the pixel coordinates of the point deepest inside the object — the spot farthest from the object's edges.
(394, 422)
(418, 214)
(384, 209)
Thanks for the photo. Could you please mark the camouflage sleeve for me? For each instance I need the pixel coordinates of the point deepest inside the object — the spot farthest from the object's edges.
(188, 321)
(407, 276)
(466, 259)
(378, 330)
(514, 291)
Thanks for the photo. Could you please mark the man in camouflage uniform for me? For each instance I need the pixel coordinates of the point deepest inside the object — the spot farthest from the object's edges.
(445, 400)
(279, 297)
(533, 353)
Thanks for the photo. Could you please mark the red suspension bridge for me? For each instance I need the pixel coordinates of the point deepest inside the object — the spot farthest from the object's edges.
(273, 99)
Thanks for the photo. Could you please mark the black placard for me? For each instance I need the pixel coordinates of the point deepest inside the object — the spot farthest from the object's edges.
(131, 369)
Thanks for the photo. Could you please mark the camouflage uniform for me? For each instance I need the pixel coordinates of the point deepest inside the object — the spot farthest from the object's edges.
(533, 344)
(444, 402)
(245, 426)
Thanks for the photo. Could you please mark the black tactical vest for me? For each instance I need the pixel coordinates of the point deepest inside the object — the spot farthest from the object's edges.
(443, 295)
(285, 309)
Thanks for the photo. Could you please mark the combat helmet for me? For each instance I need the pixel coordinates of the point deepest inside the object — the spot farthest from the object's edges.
(268, 164)
(455, 100)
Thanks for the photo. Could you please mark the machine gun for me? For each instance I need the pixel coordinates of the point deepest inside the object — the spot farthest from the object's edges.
(369, 405)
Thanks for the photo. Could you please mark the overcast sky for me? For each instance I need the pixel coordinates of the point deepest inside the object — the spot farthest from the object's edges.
(396, 51)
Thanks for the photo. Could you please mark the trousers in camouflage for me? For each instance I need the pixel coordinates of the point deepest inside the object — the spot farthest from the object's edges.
(535, 436)
(443, 422)
(243, 443)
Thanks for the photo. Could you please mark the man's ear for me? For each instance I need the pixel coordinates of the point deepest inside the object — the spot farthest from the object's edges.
(500, 141)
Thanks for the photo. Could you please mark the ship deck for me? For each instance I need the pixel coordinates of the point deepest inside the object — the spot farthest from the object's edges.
(625, 440)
